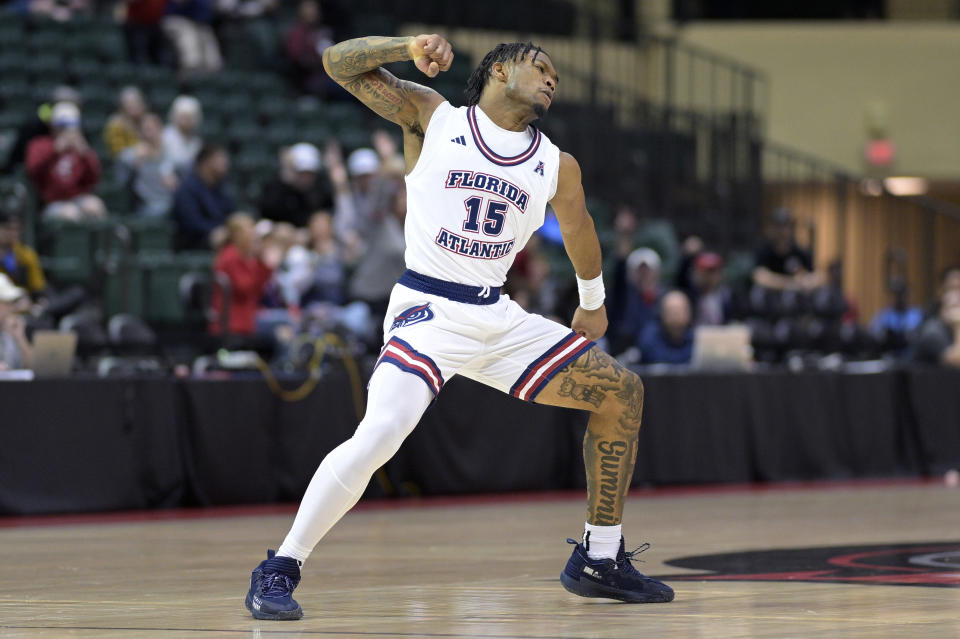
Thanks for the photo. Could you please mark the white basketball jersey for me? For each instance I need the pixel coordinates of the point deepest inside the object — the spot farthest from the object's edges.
(476, 195)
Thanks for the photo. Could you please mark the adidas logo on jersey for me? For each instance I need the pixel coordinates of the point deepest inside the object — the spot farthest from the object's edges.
(459, 140)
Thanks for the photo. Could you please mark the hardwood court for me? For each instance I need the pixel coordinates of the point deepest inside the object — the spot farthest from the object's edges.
(488, 570)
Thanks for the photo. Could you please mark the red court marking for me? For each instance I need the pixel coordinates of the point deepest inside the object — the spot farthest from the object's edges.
(219, 512)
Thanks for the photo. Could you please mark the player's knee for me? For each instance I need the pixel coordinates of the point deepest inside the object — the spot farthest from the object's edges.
(379, 439)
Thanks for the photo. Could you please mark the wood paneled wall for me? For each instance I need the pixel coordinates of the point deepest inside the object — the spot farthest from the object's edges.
(839, 221)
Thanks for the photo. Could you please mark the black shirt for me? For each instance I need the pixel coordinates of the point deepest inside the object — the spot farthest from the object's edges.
(281, 202)
(794, 261)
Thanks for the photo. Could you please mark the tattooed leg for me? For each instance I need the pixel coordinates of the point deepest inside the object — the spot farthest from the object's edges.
(614, 395)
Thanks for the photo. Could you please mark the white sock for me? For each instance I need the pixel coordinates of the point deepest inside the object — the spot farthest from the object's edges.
(601, 542)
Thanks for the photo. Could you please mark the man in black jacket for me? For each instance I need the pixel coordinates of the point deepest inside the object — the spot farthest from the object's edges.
(298, 190)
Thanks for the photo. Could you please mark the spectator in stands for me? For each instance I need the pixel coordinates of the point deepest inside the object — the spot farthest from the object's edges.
(188, 25)
(18, 261)
(360, 202)
(64, 169)
(201, 203)
(298, 189)
(529, 283)
(382, 262)
(37, 125)
(21, 265)
(691, 249)
(59, 10)
(246, 9)
(635, 297)
(895, 325)
(831, 301)
(249, 268)
(670, 340)
(148, 171)
(710, 297)
(938, 340)
(15, 350)
(781, 263)
(123, 128)
(141, 28)
(304, 45)
(314, 274)
(180, 138)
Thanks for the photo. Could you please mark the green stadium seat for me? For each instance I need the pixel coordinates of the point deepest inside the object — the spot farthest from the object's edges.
(160, 278)
(85, 68)
(150, 235)
(121, 74)
(161, 97)
(73, 248)
(352, 137)
(237, 103)
(43, 41)
(123, 289)
(282, 134)
(11, 34)
(47, 65)
(274, 107)
(116, 197)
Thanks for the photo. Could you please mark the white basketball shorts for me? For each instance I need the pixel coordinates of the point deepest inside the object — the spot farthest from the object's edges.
(434, 337)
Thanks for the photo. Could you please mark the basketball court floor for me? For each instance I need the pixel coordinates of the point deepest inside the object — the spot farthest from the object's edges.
(852, 560)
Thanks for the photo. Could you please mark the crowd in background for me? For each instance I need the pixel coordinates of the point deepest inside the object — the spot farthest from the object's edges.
(324, 242)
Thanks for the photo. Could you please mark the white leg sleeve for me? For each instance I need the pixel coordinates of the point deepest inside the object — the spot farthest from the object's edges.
(395, 402)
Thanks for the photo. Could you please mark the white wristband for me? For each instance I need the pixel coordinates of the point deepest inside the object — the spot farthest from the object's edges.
(591, 292)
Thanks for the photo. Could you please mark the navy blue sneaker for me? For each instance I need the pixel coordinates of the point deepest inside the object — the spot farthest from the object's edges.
(271, 589)
(612, 579)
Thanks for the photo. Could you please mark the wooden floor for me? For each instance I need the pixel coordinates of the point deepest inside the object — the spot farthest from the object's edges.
(480, 570)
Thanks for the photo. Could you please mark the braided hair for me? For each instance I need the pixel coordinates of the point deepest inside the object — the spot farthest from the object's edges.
(513, 51)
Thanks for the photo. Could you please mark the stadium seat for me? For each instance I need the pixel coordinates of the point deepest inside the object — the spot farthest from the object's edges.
(129, 334)
(91, 337)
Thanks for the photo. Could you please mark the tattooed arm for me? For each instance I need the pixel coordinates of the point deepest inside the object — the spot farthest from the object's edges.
(356, 66)
(580, 240)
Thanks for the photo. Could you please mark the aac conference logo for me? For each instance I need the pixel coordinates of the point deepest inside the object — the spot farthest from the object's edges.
(934, 564)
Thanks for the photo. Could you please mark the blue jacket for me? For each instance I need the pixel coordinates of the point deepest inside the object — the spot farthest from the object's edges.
(657, 348)
(197, 210)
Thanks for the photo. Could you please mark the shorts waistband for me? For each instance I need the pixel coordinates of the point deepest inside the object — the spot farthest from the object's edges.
(481, 295)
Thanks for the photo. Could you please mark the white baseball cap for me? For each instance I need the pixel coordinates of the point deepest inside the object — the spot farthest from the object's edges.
(642, 256)
(8, 291)
(65, 114)
(305, 157)
(363, 162)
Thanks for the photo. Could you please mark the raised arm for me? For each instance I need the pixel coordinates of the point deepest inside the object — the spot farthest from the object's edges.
(580, 240)
(356, 66)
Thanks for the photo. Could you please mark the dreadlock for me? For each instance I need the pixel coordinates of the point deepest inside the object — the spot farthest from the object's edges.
(513, 51)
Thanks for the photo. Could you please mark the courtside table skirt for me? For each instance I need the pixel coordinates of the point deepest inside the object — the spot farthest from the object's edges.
(81, 445)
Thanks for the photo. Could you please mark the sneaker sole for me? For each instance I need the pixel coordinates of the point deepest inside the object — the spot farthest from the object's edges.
(289, 615)
(592, 589)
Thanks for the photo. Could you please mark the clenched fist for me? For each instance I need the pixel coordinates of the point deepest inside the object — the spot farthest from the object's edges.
(431, 53)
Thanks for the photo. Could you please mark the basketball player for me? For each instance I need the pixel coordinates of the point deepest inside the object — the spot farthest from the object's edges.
(478, 181)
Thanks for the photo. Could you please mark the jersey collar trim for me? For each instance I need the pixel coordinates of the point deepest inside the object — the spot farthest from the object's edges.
(490, 154)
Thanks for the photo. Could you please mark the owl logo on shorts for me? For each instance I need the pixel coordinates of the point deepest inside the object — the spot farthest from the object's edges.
(413, 315)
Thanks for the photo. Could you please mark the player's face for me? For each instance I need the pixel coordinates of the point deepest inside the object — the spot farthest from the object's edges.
(534, 81)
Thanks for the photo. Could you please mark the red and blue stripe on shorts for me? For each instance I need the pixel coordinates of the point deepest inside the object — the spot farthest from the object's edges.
(539, 373)
(406, 358)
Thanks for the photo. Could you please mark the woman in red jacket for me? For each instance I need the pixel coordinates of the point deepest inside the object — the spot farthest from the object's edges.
(249, 269)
